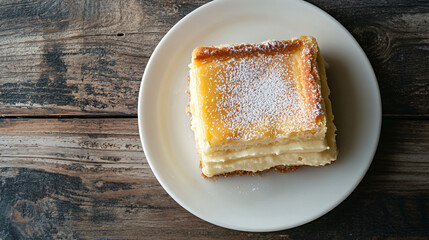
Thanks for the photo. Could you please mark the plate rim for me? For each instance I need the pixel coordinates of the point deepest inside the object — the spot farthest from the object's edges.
(142, 104)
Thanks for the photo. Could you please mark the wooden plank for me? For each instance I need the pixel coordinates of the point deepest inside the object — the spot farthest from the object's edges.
(93, 144)
(88, 178)
(78, 57)
(87, 57)
(87, 142)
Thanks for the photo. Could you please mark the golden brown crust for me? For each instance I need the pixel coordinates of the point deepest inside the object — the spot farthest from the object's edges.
(311, 79)
(279, 168)
(268, 47)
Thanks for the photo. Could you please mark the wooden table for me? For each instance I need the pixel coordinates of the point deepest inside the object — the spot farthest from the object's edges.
(72, 165)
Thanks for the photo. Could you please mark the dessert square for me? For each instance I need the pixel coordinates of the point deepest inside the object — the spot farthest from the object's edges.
(261, 106)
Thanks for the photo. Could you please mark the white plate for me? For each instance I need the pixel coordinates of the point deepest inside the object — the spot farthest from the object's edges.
(275, 201)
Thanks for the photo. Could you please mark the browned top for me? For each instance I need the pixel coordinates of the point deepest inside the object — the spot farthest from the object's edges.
(255, 91)
(267, 47)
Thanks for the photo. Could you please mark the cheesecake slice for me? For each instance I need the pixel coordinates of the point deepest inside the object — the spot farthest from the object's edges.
(257, 107)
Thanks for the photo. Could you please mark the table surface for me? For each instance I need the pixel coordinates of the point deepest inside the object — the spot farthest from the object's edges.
(71, 161)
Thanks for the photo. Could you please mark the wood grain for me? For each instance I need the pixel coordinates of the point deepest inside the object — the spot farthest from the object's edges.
(87, 57)
(88, 178)
(79, 57)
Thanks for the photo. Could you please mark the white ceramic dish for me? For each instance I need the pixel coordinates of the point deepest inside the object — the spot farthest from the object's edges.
(275, 201)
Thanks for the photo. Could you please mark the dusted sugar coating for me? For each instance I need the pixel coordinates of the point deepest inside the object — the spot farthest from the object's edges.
(257, 91)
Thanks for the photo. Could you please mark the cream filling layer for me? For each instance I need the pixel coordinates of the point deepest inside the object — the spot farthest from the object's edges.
(262, 163)
(318, 145)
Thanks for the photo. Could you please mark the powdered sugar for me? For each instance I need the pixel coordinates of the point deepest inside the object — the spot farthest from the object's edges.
(254, 95)
(257, 91)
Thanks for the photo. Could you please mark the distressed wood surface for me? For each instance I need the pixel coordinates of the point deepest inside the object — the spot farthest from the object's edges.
(79, 57)
(87, 57)
(73, 166)
(88, 178)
